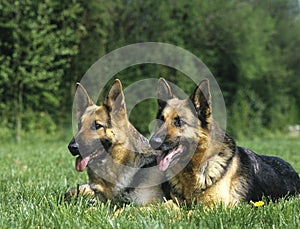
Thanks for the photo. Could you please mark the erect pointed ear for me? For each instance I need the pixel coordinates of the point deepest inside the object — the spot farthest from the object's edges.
(164, 92)
(201, 99)
(115, 99)
(82, 100)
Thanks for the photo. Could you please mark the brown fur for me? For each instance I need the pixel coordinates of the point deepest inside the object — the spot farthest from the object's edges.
(203, 163)
(116, 149)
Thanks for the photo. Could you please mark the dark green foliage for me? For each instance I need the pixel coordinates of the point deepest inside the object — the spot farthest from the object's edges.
(251, 47)
(38, 40)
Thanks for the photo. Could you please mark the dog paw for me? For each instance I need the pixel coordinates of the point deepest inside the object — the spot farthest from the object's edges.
(80, 191)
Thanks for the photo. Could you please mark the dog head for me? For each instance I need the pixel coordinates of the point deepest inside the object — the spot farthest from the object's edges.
(183, 124)
(97, 125)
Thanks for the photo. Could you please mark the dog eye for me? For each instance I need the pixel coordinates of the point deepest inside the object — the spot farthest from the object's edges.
(97, 126)
(178, 121)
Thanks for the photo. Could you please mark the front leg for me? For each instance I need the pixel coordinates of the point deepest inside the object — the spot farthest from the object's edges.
(81, 191)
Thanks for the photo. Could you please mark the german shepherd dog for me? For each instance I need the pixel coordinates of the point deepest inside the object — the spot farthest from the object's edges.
(113, 152)
(203, 163)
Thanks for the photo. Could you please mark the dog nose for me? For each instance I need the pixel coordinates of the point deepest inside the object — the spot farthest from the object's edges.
(74, 148)
(156, 142)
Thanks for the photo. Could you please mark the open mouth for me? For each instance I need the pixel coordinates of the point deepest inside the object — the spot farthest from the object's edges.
(99, 153)
(168, 157)
(82, 162)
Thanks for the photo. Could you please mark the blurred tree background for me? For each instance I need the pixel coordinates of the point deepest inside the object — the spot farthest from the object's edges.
(252, 48)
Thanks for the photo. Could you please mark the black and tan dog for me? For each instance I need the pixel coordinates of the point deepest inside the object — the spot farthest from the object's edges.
(203, 163)
(113, 152)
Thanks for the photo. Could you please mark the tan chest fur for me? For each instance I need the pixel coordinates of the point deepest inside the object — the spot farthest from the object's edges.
(187, 187)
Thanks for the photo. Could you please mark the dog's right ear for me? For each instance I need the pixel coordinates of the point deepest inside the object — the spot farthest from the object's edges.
(82, 100)
(201, 99)
(164, 92)
(115, 99)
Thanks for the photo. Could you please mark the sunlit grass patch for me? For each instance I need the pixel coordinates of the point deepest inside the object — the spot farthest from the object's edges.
(36, 174)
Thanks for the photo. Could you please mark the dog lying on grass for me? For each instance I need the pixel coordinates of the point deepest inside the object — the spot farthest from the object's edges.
(116, 155)
(203, 163)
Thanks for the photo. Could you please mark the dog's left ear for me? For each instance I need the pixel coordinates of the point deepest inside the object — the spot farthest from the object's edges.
(164, 93)
(115, 99)
(201, 99)
(82, 100)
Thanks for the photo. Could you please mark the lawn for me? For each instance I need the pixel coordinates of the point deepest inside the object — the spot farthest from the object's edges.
(36, 173)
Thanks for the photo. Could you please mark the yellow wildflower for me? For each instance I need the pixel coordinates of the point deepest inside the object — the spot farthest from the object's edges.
(257, 204)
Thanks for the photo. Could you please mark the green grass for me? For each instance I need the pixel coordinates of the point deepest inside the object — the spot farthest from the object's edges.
(36, 173)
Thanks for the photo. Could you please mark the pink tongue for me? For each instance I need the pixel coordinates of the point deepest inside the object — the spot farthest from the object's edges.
(81, 163)
(164, 161)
